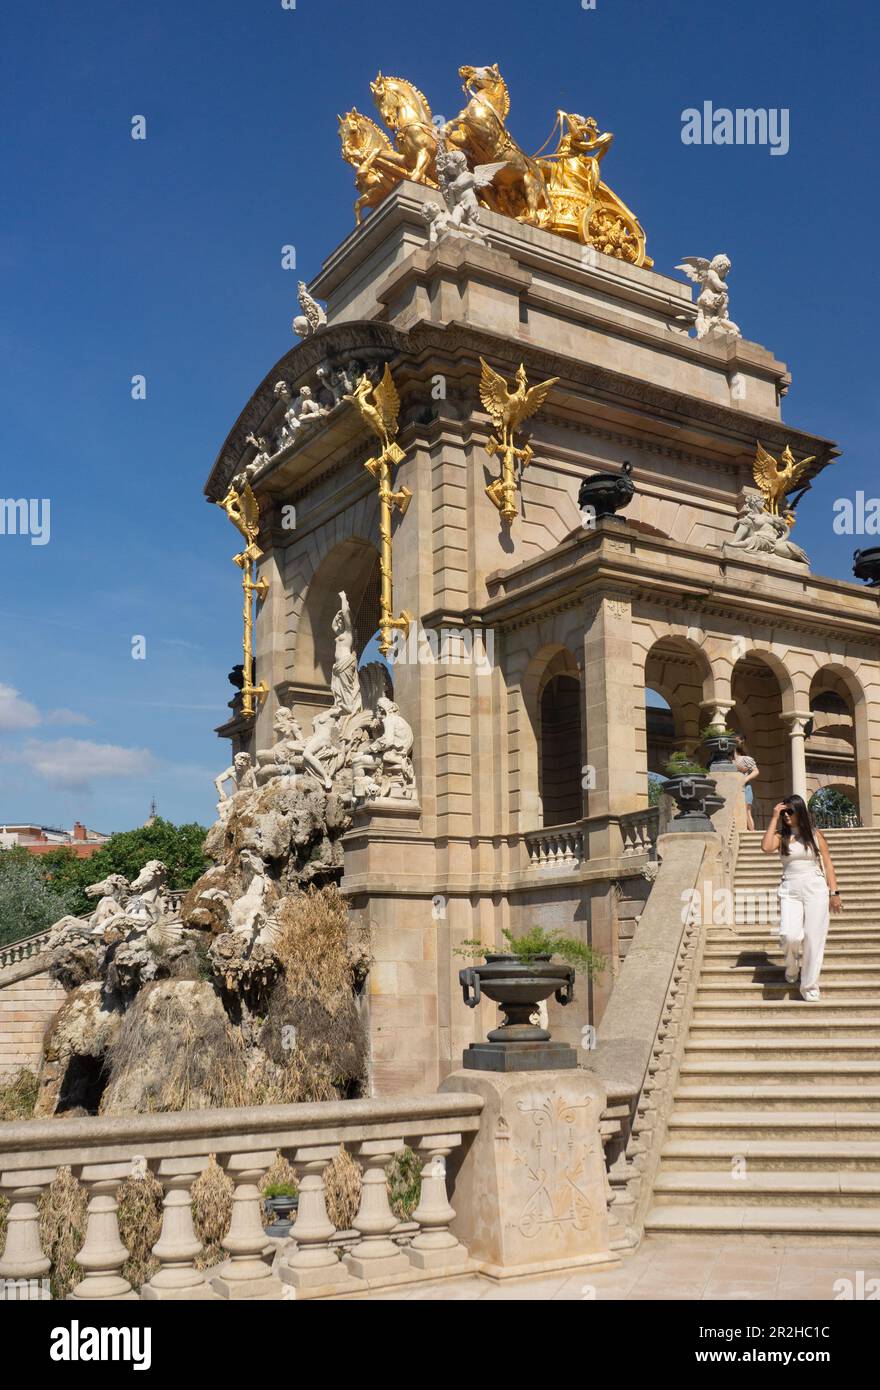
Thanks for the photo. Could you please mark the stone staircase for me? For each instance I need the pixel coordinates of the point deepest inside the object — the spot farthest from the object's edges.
(775, 1122)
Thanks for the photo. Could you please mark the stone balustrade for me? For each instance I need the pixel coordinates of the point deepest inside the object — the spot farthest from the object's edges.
(639, 830)
(556, 847)
(317, 1261)
(24, 949)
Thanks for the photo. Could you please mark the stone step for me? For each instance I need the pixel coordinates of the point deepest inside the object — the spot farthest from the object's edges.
(818, 1223)
(777, 1072)
(788, 1047)
(844, 957)
(786, 1094)
(773, 1124)
(774, 988)
(776, 1154)
(823, 1187)
(789, 1007)
(764, 936)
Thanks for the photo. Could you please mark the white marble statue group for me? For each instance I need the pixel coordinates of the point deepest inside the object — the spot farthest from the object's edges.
(460, 213)
(713, 300)
(375, 742)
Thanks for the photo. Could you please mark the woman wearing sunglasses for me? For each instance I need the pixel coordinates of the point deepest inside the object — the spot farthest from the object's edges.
(807, 892)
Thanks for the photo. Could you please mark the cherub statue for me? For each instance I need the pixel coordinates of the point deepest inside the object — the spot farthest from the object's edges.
(307, 407)
(459, 186)
(312, 317)
(322, 747)
(291, 422)
(394, 747)
(714, 297)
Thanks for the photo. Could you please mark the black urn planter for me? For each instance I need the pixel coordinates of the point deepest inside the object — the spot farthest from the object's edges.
(607, 493)
(518, 987)
(281, 1210)
(696, 799)
(722, 748)
(866, 565)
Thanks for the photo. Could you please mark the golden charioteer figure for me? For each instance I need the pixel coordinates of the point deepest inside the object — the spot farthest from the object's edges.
(560, 191)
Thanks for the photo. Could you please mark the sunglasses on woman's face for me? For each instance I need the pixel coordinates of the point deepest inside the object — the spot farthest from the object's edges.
(786, 812)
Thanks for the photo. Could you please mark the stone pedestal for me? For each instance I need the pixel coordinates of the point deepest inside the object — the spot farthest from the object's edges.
(519, 1056)
(530, 1192)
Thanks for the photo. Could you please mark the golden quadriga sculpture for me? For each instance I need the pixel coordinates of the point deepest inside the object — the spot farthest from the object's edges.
(562, 191)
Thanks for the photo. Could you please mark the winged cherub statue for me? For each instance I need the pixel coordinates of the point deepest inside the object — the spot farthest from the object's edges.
(459, 186)
(714, 296)
(777, 478)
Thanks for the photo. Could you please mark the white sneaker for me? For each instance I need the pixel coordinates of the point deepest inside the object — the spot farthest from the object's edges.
(811, 995)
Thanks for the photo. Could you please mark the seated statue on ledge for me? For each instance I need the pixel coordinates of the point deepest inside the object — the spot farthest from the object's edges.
(761, 533)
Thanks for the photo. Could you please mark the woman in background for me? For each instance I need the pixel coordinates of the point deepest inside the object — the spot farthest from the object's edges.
(749, 768)
(807, 892)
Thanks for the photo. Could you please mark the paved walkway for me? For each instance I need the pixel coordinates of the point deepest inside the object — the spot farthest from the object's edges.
(664, 1269)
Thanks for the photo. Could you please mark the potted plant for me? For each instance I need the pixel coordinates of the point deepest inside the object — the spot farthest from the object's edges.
(280, 1200)
(721, 743)
(693, 791)
(520, 978)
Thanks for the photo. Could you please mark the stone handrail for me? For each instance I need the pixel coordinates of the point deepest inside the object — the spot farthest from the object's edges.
(639, 831)
(556, 846)
(24, 948)
(177, 1147)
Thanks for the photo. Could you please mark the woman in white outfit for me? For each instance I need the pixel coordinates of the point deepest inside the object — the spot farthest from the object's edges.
(807, 892)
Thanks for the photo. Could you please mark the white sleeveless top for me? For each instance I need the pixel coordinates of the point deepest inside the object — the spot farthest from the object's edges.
(800, 860)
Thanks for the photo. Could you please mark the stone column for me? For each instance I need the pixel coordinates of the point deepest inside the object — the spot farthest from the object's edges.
(609, 723)
(376, 1257)
(23, 1259)
(103, 1254)
(435, 1247)
(796, 727)
(247, 1273)
(314, 1263)
(178, 1245)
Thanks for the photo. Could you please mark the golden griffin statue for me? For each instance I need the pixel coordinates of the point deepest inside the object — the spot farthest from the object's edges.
(776, 478)
(560, 191)
(243, 511)
(381, 414)
(507, 409)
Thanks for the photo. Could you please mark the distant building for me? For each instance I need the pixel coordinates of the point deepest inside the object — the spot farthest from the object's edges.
(41, 839)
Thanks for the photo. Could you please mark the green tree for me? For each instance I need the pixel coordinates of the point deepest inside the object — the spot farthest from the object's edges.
(29, 902)
(178, 846)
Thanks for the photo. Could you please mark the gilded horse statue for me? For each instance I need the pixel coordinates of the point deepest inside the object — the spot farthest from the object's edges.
(375, 161)
(518, 189)
(405, 110)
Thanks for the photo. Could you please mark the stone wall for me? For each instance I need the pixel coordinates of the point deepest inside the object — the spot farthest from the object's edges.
(28, 1002)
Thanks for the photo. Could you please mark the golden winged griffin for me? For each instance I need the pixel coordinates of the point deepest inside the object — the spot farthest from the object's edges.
(507, 409)
(560, 191)
(776, 479)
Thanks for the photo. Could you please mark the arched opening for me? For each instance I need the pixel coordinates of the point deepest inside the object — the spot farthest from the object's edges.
(352, 567)
(834, 808)
(678, 683)
(660, 735)
(560, 778)
(761, 690)
(836, 705)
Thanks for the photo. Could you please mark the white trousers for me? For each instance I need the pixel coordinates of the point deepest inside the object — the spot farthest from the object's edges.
(803, 925)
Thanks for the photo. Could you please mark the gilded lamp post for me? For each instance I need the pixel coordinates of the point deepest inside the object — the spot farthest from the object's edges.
(381, 414)
(243, 511)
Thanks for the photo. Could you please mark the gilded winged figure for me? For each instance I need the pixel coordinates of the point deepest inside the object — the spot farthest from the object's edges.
(507, 408)
(382, 411)
(777, 478)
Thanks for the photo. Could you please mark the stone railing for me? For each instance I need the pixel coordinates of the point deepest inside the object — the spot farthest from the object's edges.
(556, 847)
(23, 949)
(318, 1262)
(639, 831)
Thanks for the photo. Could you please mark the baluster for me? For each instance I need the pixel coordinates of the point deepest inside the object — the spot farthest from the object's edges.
(177, 1246)
(375, 1256)
(23, 1259)
(103, 1254)
(435, 1247)
(247, 1273)
(314, 1262)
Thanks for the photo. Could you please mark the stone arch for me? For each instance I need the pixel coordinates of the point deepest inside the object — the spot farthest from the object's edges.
(838, 749)
(554, 754)
(678, 669)
(351, 565)
(764, 700)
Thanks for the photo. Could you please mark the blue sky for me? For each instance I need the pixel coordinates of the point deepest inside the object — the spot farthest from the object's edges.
(163, 257)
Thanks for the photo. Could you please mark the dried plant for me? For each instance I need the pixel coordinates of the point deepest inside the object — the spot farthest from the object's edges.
(140, 1223)
(63, 1213)
(342, 1185)
(212, 1211)
(19, 1096)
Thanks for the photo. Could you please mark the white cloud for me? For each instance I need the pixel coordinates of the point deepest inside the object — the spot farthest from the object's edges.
(74, 763)
(15, 712)
(66, 716)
